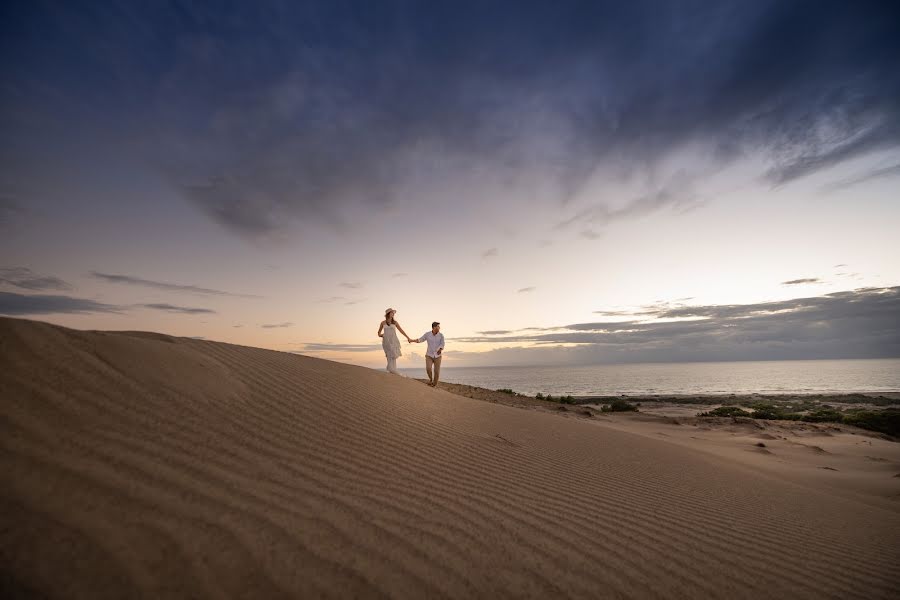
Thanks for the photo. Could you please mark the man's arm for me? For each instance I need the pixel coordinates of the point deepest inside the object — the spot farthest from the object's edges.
(441, 349)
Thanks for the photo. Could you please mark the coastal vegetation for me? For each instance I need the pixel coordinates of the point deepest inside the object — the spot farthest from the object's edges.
(619, 405)
(883, 421)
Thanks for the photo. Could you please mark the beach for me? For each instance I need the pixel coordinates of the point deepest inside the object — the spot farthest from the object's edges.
(137, 464)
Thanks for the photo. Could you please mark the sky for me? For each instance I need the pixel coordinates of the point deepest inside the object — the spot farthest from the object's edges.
(555, 182)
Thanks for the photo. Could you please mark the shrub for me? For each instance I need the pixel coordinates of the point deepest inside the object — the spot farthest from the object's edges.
(883, 421)
(823, 415)
(539, 396)
(619, 405)
(726, 411)
(507, 391)
(770, 411)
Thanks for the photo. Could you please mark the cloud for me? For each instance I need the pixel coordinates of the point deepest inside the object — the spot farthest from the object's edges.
(526, 289)
(802, 281)
(283, 124)
(490, 253)
(840, 265)
(354, 302)
(20, 304)
(321, 347)
(495, 332)
(676, 193)
(24, 278)
(624, 313)
(850, 275)
(237, 326)
(398, 275)
(276, 325)
(331, 299)
(861, 323)
(351, 285)
(10, 211)
(178, 309)
(892, 171)
(169, 287)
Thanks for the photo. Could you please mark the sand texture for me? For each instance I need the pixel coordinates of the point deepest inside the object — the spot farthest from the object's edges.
(138, 465)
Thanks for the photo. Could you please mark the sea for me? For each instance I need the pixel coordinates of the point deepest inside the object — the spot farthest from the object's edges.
(743, 377)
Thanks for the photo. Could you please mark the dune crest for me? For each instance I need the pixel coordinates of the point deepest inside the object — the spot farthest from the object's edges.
(142, 465)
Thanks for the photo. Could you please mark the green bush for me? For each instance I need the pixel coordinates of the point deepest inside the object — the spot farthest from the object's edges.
(726, 411)
(619, 405)
(884, 421)
(770, 411)
(823, 415)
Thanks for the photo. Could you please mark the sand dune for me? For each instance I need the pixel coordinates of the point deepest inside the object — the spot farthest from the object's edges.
(141, 465)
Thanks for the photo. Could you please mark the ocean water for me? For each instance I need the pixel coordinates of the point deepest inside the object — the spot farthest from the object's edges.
(763, 377)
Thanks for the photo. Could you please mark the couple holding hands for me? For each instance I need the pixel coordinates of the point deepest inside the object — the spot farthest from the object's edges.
(387, 331)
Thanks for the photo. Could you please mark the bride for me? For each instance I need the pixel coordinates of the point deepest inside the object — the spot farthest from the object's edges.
(389, 340)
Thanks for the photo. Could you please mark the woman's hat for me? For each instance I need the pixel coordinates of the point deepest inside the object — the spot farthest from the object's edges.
(390, 310)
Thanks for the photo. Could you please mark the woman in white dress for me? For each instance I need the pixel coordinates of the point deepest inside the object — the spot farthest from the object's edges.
(387, 331)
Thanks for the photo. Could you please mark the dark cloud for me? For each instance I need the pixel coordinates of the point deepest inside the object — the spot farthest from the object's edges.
(24, 278)
(802, 281)
(20, 304)
(178, 309)
(265, 115)
(276, 325)
(169, 287)
(526, 289)
(862, 323)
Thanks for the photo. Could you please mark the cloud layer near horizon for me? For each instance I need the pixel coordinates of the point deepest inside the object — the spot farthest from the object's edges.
(862, 323)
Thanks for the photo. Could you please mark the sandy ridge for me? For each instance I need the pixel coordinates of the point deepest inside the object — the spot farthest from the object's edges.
(176, 467)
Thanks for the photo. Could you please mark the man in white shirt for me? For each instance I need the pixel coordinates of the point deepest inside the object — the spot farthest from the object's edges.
(434, 354)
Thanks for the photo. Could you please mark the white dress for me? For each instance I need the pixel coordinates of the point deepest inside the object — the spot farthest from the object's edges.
(390, 342)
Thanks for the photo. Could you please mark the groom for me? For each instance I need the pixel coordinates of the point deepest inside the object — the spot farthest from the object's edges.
(434, 354)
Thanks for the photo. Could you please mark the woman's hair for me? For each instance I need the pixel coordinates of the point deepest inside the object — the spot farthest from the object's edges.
(389, 317)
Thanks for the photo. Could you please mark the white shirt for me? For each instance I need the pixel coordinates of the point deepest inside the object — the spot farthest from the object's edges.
(434, 342)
